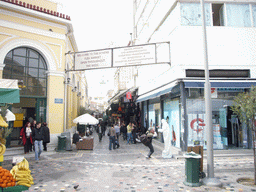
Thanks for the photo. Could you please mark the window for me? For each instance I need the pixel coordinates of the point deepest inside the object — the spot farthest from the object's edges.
(218, 14)
(254, 15)
(29, 66)
(238, 15)
(191, 14)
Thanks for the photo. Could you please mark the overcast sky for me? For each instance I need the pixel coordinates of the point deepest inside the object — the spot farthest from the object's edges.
(99, 24)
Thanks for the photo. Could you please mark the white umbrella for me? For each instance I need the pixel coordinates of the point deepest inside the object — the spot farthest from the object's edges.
(86, 119)
(10, 116)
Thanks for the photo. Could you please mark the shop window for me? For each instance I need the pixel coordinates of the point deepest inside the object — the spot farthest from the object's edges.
(28, 66)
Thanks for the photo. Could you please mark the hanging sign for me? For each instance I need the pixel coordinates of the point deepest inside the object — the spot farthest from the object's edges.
(128, 95)
(93, 59)
(135, 55)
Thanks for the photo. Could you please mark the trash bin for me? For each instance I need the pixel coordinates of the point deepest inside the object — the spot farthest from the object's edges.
(192, 169)
(68, 140)
(61, 143)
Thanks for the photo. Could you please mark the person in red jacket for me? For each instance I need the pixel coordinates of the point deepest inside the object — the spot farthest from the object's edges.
(26, 136)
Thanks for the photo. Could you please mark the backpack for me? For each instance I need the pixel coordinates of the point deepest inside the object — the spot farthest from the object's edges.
(144, 139)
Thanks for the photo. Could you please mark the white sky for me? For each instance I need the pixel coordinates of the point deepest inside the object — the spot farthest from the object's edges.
(100, 24)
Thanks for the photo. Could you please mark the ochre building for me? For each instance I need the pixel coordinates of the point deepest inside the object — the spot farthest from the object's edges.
(35, 42)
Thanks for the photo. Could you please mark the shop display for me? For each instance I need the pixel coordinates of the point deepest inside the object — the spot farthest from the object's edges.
(22, 174)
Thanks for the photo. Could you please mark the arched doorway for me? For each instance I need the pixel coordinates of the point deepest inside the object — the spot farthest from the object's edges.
(29, 67)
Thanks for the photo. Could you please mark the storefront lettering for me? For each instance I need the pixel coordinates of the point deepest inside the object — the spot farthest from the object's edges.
(200, 126)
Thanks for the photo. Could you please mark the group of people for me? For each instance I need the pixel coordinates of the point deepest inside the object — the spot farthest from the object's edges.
(131, 132)
(35, 136)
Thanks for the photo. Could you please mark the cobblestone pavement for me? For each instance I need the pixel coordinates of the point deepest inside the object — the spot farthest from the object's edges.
(127, 169)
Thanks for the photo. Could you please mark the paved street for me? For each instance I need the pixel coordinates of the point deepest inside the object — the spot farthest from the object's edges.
(127, 169)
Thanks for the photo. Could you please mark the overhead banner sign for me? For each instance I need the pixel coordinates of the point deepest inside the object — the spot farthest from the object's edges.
(154, 53)
(93, 59)
(135, 55)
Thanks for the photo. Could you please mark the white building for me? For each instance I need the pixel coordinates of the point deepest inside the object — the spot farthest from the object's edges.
(231, 38)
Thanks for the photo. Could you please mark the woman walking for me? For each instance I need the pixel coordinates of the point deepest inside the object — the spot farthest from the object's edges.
(37, 135)
(46, 135)
(26, 136)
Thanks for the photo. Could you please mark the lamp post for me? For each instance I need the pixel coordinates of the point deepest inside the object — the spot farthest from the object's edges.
(209, 180)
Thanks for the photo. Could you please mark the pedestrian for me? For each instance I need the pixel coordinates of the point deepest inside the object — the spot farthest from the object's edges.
(129, 133)
(173, 137)
(134, 133)
(26, 136)
(76, 137)
(150, 134)
(123, 130)
(37, 135)
(117, 129)
(46, 135)
(112, 137)
(167, 152)
(99, 130)
(33, 126)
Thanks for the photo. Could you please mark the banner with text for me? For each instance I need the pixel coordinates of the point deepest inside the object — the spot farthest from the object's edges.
(93, 59)
(148, 54)
(135, 55)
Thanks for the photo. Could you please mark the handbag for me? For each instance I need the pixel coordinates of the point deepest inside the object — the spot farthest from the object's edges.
(108, 134)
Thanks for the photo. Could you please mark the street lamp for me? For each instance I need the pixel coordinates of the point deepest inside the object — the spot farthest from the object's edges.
(209, 180)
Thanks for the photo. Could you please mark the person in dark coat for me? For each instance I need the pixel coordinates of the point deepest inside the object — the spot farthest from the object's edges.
(46, 135)
(26, 136)
(76, 137)
(37, 135)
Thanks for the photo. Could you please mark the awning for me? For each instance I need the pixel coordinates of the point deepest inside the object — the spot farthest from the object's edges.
(120, 94)
(226, 84)
(9, 91)
(156, 93)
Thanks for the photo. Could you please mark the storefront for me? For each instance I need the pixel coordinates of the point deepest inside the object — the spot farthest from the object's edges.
(183, 102)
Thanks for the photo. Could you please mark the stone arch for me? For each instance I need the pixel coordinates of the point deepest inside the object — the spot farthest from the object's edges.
(42, 49)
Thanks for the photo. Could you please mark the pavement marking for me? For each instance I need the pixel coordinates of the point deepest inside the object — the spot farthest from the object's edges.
(79, 154)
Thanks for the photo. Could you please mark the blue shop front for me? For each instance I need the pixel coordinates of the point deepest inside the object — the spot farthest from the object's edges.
(182, 100)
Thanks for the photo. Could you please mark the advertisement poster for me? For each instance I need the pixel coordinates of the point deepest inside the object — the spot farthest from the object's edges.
(197, 132)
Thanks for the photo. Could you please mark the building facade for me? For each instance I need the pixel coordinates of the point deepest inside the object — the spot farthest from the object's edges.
(34, 48)
(178, 90)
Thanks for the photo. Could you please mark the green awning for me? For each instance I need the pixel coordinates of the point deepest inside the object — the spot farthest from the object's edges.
(9, 91)
(9, 95)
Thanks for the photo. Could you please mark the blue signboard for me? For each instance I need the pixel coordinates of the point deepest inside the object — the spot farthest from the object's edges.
(58, 101)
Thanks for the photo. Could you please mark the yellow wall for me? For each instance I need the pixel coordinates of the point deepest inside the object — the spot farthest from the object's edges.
(56, 47)
(56, 111)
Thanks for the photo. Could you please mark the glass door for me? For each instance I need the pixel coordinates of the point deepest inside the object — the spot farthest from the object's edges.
(41, 110)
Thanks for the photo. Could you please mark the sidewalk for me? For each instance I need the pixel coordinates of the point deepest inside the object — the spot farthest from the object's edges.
(178, 154)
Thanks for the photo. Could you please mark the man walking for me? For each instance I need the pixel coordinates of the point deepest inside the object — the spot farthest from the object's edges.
(37, 135)
(99, 130)
(117, 129)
